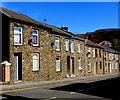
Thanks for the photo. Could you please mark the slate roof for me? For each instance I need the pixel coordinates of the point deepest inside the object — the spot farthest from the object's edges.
(90, 43)
(106, 48)
(22, 17)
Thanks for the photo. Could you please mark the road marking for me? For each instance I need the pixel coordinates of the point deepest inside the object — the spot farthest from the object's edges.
(51, 98)
(83, 80)
(72, 92)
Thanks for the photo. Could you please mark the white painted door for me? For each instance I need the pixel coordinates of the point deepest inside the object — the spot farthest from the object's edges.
(15, 67)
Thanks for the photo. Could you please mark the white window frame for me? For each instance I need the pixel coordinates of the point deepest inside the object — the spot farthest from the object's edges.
(89, 65)
(89, 49)
(38, 65)
(57, 41)
(58, 68)
(79, 47)
(80, 63)
(93, 52)
(21, 38)
(72, 46)
(67, 44)
(37, 37)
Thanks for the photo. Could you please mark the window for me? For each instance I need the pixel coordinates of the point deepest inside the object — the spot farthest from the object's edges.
(96, 53)
(17, 36)
(89, 49)
(58, 64)
(99, 53)
(89, 52)
(79, 47)
(57, 43)
(36, 62)
(100, 64)
(93, 52)
(67, 44)
(89, 67)
(80, 63)
(72, 46)
(35, 37)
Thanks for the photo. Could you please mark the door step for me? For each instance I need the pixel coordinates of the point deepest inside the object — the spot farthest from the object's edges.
(18, 81)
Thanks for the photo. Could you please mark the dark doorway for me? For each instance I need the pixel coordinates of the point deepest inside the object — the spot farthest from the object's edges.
(18, 66)
(96, 67)
(68, 65)
(72, 61)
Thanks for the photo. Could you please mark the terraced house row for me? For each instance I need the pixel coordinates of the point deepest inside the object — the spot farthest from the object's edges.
(41, 52)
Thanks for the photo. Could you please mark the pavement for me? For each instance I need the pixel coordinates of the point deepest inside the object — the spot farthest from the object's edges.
(57, 82)
(99, 87)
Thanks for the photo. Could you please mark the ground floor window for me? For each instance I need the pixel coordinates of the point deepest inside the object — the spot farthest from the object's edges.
(80, 63)
(36, 66)
(57, 64)
(89, 67)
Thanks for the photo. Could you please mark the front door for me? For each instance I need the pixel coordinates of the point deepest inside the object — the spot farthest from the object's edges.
(18, 66)
(95, 68)
(72, 67)
(68, 66)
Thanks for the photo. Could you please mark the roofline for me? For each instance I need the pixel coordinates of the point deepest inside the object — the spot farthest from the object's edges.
(5, 13)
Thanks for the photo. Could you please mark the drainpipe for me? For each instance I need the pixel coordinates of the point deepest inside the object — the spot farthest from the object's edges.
(85, 57)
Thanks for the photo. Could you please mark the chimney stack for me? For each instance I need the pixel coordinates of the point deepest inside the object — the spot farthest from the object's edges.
(64, 28)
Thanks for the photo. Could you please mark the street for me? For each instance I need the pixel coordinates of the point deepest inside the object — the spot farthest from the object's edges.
(100, 89)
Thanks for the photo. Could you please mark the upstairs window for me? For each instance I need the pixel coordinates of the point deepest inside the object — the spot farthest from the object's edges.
(35, 37)
(67, 44)
(100, 53)
(80, 63)
(17, 36)
(72, 46)
(89, 54)
(36, 62)
(57, 43)
(57, 64)
(79, 47)
(96, 55)
(93, 52)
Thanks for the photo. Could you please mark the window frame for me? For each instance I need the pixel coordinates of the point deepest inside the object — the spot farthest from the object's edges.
(72, 45)
(89, 67)
(59, 64)
(80, 63)
(37, 37)
(79, 47)
(93, 52)
(57, 49)
(67, 48)
(38, 62)
(21, 38)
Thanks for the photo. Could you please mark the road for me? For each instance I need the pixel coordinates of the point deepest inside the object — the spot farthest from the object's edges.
(99, 89)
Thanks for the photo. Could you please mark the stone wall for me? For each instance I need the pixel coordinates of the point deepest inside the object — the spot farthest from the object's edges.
(47, 55)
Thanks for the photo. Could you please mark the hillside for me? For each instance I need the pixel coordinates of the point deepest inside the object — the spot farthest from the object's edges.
(111, 35)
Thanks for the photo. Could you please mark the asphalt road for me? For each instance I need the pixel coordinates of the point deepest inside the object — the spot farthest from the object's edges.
(98, 90)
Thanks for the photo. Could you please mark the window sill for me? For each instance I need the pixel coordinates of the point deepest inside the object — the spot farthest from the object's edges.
(57, 50)
(36, 46)
(35, 70)
(17, 44)
(80, 69)
(89, 71)
(58, 71)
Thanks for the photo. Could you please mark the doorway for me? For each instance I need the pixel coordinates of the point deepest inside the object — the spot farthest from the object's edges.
(18, 66)
(70, 66)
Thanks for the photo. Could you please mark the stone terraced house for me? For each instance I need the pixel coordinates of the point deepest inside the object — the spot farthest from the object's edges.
(41, 52)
